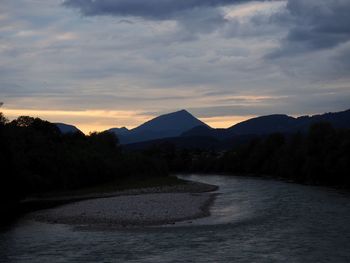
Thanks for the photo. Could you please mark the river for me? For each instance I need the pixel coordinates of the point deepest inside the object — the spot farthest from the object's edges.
(252, 220)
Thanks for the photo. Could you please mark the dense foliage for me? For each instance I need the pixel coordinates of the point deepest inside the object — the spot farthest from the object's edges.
(36, 157)
(320, 156)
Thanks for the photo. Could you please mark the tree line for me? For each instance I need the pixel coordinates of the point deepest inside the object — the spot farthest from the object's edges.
(36, 157)
(320, 156)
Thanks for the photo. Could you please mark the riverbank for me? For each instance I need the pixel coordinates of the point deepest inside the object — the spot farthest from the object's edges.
(130, 208)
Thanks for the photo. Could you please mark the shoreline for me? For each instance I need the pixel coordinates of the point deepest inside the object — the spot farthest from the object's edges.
(132, 208)
(38, 203)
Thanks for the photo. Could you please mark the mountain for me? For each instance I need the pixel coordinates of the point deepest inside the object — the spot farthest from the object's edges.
(167, 125)
(264, 125)
(273, 123)
(287, 124)
(183, 124)
(339, 120)
(66, 128)
(176, 121)
(255, 126)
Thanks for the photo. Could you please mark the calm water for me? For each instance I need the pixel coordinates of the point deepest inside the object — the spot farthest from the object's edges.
(252, 221)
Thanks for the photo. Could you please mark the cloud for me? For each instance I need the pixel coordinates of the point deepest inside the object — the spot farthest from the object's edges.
(149, 9)
(195, 16)
(313, 25)
(310, 25)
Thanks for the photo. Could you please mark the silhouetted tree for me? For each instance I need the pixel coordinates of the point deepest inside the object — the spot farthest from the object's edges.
(3, 120)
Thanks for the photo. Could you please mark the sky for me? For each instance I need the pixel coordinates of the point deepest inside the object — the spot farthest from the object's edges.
(100, 64)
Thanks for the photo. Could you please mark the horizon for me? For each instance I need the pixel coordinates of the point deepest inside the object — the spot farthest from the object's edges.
(87, 129)
(138, 119)
(72, 118)
(111, 64)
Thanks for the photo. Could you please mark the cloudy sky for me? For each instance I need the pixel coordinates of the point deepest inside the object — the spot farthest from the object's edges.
(108, 63)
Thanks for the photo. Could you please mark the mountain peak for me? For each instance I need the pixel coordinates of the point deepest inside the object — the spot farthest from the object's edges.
(175, 113)
(180, 120)
(167, 125)
(183, 111)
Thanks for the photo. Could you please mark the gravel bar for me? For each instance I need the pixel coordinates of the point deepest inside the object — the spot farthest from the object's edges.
(135, 208)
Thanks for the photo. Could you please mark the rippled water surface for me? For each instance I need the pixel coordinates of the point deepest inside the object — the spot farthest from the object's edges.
(252, 221)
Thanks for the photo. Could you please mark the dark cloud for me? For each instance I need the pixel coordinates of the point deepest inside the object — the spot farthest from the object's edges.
(310, 25)
(150, 9)
(193, 16)
(314, 25)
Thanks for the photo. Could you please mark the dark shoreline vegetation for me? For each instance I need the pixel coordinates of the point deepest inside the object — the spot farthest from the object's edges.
(320, 156)
(36, 159)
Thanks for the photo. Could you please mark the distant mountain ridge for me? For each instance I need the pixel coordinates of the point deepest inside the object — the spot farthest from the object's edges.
(273, 123)
(167, 125)
(174, 126)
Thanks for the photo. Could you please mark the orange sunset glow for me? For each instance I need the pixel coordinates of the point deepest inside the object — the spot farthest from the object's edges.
(100, 120)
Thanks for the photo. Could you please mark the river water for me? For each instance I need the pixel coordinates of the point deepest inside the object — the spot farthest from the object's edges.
(252, 220)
